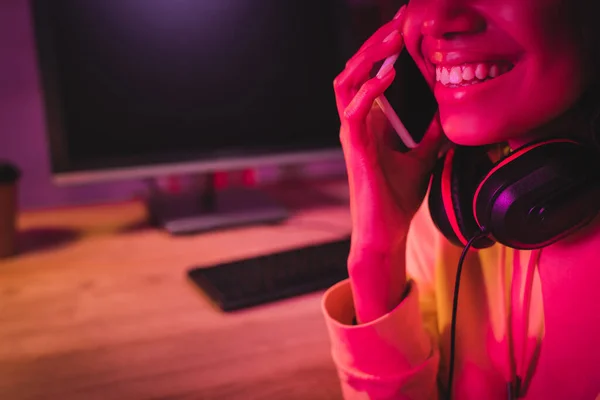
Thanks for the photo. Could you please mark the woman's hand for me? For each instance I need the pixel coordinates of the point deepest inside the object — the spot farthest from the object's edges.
(386, 186)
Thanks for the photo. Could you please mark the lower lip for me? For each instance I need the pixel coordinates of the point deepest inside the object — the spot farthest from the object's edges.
(444, 94)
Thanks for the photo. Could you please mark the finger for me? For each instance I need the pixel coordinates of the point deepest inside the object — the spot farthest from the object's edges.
(381, 34)
(359, 71)
(361, 104)
(344, 84)
(384, 30)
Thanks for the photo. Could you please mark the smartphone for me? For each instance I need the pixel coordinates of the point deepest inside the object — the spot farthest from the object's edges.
(408, 103)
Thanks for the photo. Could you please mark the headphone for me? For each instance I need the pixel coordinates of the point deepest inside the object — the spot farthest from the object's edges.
(530, 198)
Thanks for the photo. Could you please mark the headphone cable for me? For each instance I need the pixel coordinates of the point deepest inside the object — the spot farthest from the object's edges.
(482, 233)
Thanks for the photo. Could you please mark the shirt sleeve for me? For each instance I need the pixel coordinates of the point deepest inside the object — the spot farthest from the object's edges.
(392, 357)
(396, 356)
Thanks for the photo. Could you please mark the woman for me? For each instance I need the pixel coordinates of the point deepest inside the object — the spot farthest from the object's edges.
(502, 71)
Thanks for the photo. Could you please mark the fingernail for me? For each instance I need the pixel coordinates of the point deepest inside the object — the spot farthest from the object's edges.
(385, 70)
(400, 12)
(391, 36)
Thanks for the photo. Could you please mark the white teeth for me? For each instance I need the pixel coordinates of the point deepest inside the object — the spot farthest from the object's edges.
(445, 76)
(494, 71)
(469, 73)
(481, 71)
(456, 75)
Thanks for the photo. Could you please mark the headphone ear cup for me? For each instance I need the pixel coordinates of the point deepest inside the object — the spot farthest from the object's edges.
(539, 194)
(437, 209)
(455, 179)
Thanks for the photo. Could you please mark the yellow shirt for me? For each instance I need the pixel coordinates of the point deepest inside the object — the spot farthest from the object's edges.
(531, 314)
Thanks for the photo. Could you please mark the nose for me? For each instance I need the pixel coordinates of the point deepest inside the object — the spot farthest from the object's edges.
(445, 19)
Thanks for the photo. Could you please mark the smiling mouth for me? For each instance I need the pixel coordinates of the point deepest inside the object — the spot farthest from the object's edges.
(454, 76)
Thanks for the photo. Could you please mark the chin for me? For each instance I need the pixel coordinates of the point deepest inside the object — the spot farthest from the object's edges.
(469, 129)
(517, 107)
(485, 127)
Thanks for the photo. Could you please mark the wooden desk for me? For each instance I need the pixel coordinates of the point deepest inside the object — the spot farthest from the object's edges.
(109, 313)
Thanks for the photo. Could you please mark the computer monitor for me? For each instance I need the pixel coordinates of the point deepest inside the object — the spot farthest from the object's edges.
(144, 88)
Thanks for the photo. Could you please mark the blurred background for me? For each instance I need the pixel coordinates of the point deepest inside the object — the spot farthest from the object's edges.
(173, 199)
(23, 133)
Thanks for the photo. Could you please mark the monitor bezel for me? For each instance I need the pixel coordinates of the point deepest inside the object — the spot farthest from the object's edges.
(64, 173)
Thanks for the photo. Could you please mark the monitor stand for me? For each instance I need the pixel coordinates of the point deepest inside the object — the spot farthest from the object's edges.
(206, 208)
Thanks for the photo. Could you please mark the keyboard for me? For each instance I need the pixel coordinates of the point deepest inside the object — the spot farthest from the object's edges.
(267, 278)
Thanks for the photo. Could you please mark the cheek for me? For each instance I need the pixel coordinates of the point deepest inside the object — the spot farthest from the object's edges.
(548, 83)
(551, 87)
(412, 40)
(537, 93)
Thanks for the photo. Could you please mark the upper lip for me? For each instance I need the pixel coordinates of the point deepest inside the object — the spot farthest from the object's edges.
(458, 58)
(441, 55)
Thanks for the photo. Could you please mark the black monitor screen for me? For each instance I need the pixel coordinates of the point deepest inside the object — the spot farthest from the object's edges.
(131, 82)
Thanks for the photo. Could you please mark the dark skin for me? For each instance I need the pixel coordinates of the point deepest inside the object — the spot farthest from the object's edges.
(550, 69)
